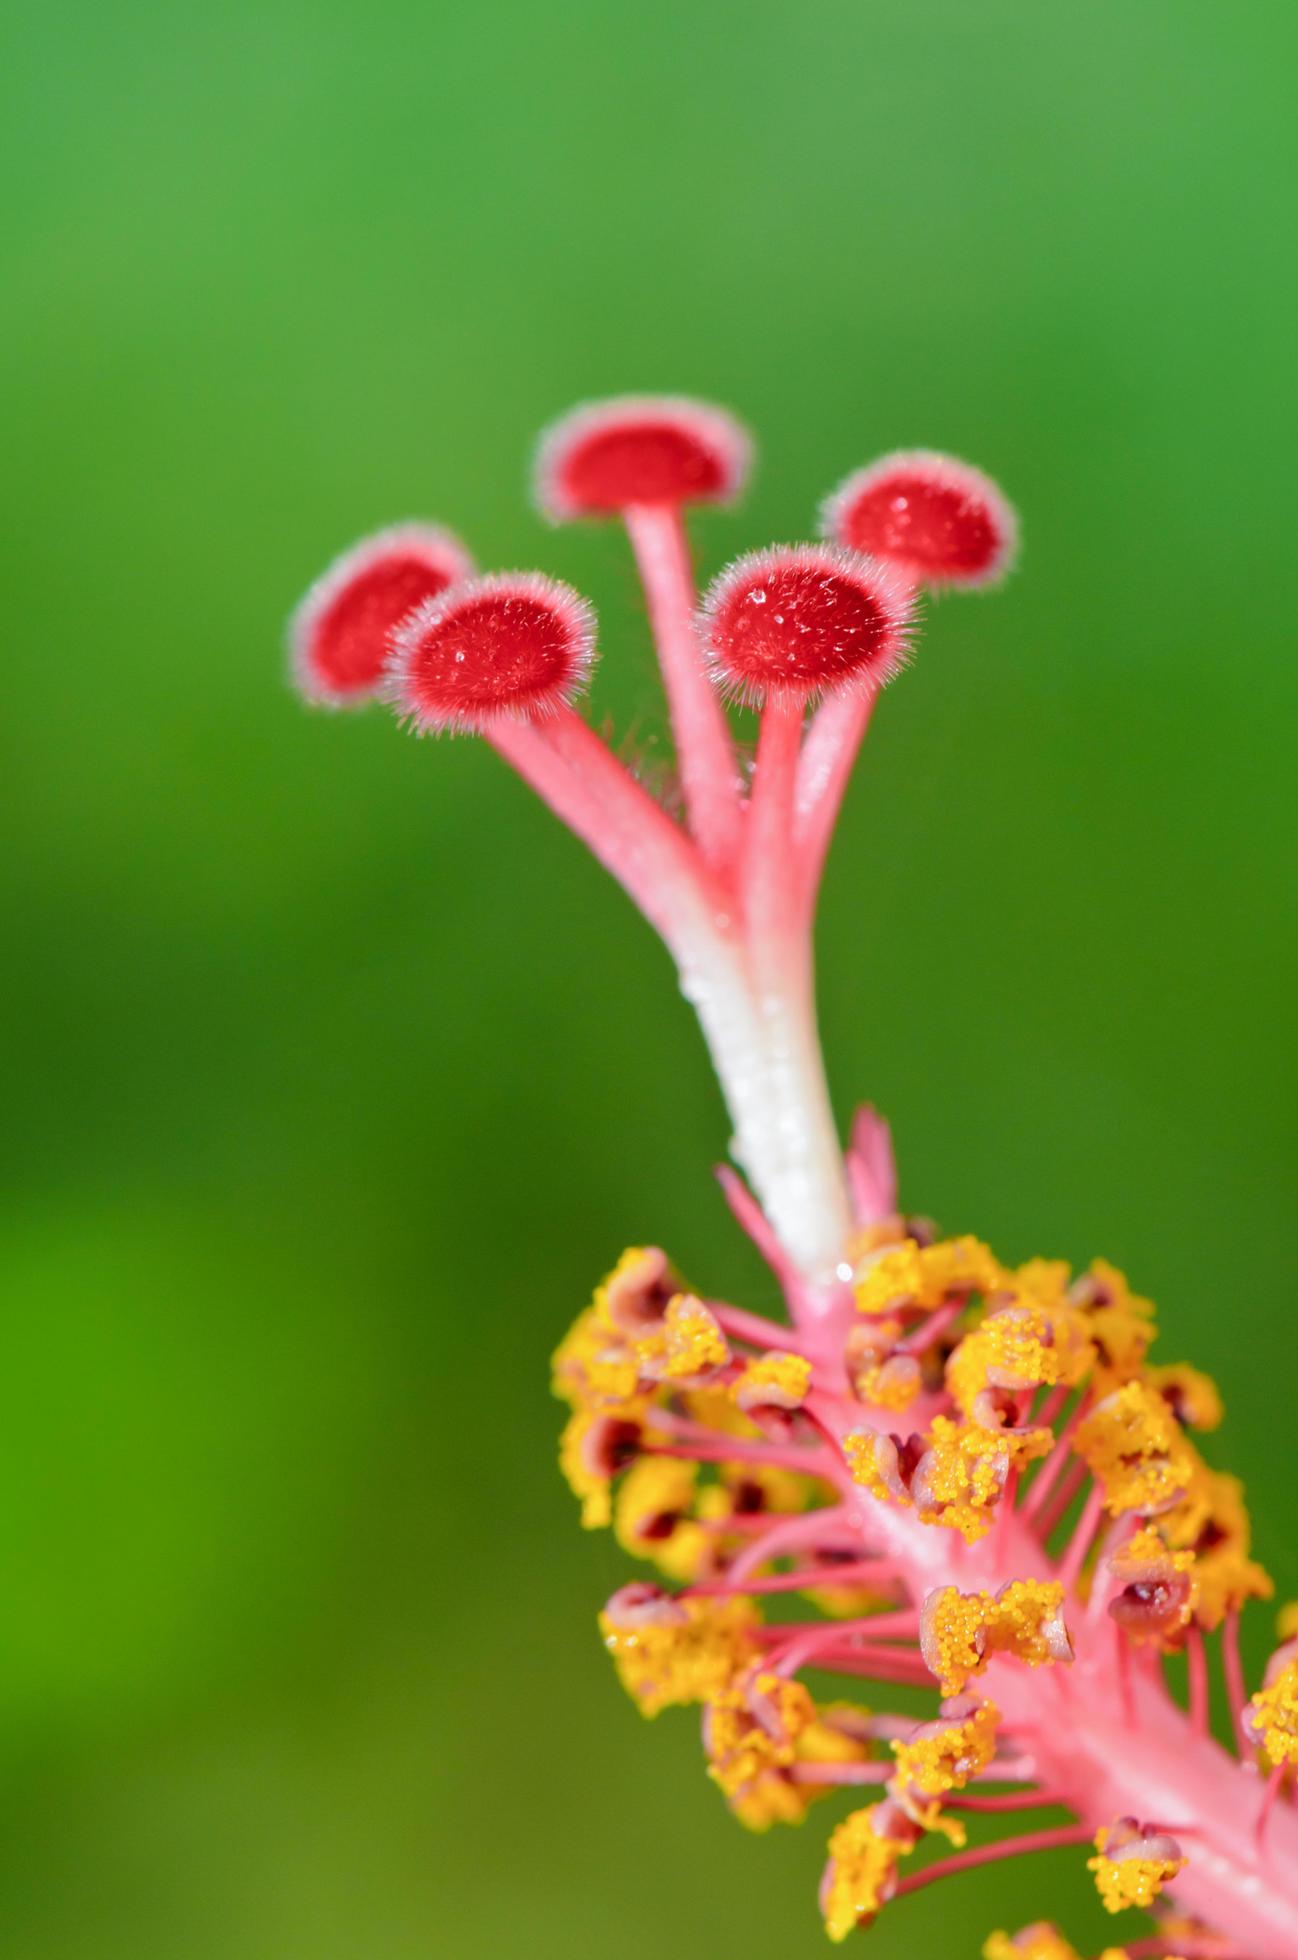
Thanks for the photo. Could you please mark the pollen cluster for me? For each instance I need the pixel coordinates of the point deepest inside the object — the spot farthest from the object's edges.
(759, 1475)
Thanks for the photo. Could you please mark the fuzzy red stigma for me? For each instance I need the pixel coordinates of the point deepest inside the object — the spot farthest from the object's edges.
(639, 449)
(940, 521)
(803, 620)
(339, 637)
(515, 644)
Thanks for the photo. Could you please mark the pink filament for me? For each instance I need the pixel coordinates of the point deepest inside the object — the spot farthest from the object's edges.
(987, 1854)
(704, 750)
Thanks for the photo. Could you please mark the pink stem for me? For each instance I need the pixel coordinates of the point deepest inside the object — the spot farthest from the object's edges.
(987, 1854)
(740, 1524)
(795, 1655)
(1050, 1470)
(833, 742)
(861, 1186)
(1008, 1800)
(628, 805)
(588, 789)
(781, 1538)
(1161, 1944)
(810, 1579)
(809, 1463)
(1126, 1686)
(932, 1329)
(841, 1773)
(768, 854)
(1196, 1662)
(875, 1664)
(704, 751)
(870, 1154)
(1236, 1692)
(1070, 1566)
(1274, 1784)
(901, 1625)
(1051, 1403)
(1068, 1490)
(752, 1220)
(757, 1332)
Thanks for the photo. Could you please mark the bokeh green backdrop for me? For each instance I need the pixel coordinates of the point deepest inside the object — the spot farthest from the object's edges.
(334, 1074)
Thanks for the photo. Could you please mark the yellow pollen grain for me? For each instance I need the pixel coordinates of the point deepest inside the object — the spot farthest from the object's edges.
(690, 1661)
(931, 1765)
(1196, 1395)
(652, 1516)
(923, 1276)
(862, 1873)
(592, 1367)
(967, 1467)
(1041, 1941)
(1273, 1713)
(1124, 1882)
(1134, 1446)
(689, 1342)
(788, 1375)
(963, 1630)
(957, 1635)
(1212, 1522)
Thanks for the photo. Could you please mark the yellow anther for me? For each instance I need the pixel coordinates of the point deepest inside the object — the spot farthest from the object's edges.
(754, 1767)
(892, 1383)
(714, 1408)
(1046, 1280)
(1212, 1521)
(686, 1344)
(1029, 1621)
(1018, 1347)
(1134, 1863)
(592, 1367)
(896, 1278)
(866, 1451)
(1131, 1881)
(748, 1758)
(1273, 1716)
(652, 1516)
(912, 1275)
(944, 1755)
(1192, 1396)
(931, 1817)
(633, 1296)
(959, 1474)
(1286, 1621)
(959, 1632)
(587, 1467)
(1133, 1445)
(964, 1471)
(1041, 1941)
(956, 1635)
(773, 1380)
(662, 1666)
(1165, 1589)
(1120, 1323)
(862, 1872)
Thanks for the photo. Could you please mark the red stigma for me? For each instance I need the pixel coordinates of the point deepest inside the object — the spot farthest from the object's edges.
(639, 450)
(939, 521)
(803, 620)
(341, 632)
(514, 644)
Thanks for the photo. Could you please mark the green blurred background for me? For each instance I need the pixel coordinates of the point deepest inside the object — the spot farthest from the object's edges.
(335, 1074)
